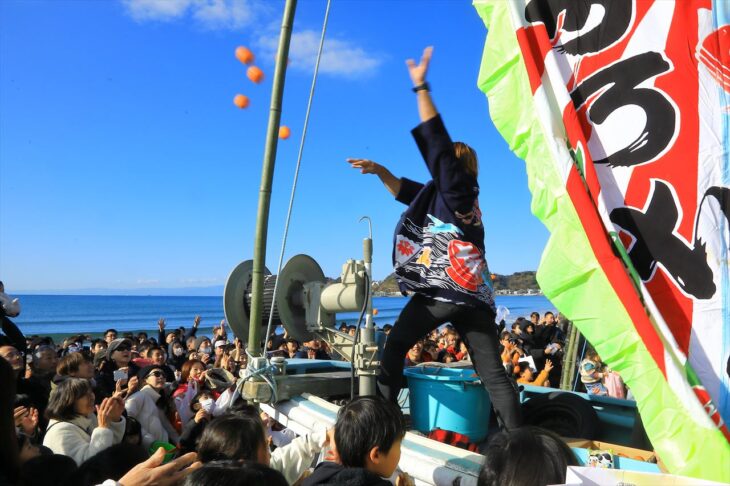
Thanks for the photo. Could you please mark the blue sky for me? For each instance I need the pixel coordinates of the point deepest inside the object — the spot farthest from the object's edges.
(125, 164)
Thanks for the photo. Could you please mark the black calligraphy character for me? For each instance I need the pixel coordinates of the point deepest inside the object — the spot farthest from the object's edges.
(655, 241)
(613, 24)
(619, 84)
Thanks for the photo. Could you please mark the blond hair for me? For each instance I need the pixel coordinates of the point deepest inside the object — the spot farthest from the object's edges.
(468, 157)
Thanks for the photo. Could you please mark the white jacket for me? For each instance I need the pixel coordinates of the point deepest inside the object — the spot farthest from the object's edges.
(142, 406)
(81, 437)
(296, 457)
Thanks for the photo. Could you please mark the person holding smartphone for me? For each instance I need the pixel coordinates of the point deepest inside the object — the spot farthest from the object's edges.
(116, 369)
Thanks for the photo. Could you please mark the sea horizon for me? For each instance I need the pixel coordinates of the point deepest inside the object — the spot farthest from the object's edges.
(62, 315)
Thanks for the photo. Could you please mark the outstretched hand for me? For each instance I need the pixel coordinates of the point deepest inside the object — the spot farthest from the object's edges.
(548, 365)
(366, 166)
(418, 71)
(153, 472)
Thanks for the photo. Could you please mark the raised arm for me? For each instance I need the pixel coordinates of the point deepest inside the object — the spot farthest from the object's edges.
(426, 108)
(403, 189)
(457, 186)
(391, 182)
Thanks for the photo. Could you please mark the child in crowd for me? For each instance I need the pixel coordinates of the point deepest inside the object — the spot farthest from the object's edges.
(526, 375)
(246, 474)
(525, 456)
(417, 355)
(201, 407)
(368, 435)
(240, 435)
(591, 375)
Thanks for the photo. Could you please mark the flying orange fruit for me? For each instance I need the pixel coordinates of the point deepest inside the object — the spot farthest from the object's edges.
(255, 74)
(375, 312)
(241, 101)
(244, 55)
(284, 132)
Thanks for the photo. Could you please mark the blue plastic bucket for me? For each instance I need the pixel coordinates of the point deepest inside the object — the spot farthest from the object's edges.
(450, 399)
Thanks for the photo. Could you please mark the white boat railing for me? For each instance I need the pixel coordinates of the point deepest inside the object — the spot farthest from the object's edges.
(427, 461)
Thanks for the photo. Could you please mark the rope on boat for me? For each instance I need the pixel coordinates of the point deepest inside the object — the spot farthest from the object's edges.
(296, 172)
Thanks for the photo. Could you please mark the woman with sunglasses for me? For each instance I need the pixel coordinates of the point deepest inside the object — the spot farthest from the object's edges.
(152, 407)
(116, 367)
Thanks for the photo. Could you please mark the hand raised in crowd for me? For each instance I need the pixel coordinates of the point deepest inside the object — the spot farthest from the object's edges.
(161, 324)
(548, 365)
(102, 413)
(196, 322)
(116, 409)
(239, 349)
(418, 71)
(225, 360)
(201, 415)
(131, 387)
(153, 473)
(205, 358)
(26, 419)
(119, 386)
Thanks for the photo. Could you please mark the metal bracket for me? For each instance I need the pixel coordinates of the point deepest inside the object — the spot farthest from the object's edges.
(365, 357)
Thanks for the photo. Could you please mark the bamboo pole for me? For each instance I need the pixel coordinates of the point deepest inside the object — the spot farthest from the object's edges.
(267, 173)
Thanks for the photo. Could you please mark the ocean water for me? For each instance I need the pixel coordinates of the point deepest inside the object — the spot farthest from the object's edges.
(93, 314)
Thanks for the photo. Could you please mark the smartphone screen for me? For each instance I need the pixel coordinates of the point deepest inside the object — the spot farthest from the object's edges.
(120, 375)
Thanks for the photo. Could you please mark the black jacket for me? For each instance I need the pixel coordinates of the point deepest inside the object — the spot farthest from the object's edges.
(438, 247)
(331, 473)
(190, 435)
(105, 384)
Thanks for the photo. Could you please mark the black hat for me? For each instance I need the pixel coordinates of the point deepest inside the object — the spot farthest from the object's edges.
(115, 344)
(144, 372)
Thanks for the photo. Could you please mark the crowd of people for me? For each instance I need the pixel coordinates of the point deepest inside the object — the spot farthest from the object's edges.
(138, 409)
(88, 411)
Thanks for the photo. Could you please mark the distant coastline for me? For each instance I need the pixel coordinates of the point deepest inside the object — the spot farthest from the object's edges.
(518, 283)
(511, 293)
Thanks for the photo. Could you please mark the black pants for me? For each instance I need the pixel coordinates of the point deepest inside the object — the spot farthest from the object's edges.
(475, 326)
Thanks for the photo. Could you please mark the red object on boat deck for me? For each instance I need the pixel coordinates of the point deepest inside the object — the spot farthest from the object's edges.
(453, 438)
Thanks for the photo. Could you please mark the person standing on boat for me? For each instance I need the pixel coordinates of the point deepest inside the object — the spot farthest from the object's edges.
(438, 255)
